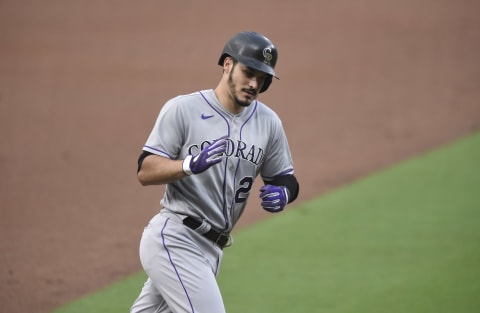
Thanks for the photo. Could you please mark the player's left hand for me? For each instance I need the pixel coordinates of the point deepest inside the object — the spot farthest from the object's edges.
(274, 198)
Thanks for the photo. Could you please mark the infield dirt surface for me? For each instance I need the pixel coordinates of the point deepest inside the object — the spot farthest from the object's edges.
(363, 84)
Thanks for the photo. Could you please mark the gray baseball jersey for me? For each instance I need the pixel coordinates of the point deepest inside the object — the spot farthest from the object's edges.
(257, 145)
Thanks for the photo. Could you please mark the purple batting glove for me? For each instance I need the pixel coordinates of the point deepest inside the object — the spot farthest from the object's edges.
(274, 198)
(207, 157)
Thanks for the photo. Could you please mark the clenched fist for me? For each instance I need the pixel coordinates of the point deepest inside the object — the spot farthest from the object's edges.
(274, 198)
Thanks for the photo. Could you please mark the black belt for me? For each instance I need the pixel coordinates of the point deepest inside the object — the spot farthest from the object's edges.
(218, 237)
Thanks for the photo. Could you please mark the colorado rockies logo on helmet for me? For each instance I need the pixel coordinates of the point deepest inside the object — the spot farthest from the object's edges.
(267, 54)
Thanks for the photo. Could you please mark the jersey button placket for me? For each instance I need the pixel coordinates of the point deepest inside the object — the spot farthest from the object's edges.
(234, 136)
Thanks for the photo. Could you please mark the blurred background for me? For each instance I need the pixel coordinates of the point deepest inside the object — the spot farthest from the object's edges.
(363, 84)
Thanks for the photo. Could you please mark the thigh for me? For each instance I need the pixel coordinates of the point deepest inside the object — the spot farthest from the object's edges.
(181, 266)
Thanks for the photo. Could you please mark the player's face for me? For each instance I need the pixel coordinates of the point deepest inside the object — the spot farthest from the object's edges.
(245, 84)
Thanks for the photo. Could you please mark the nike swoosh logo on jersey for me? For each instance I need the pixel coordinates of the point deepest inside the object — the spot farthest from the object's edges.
(204, 117)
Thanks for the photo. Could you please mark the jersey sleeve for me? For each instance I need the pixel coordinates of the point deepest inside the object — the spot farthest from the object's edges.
(278, 161)
(166, 137)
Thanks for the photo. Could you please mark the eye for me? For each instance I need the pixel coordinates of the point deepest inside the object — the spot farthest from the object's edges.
(249, 73)
(262, 77)
(252, 73)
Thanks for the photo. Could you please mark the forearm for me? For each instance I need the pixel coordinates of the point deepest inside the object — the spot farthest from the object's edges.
(157, 170)
(289, 181)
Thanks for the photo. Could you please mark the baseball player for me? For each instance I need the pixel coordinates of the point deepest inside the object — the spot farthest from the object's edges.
(208, 147)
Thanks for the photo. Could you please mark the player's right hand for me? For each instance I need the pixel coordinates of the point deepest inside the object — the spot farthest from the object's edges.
(207, 157)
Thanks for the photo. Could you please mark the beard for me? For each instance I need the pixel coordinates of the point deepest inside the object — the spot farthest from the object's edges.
(233, 91)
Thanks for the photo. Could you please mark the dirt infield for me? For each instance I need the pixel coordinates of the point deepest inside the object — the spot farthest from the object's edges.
(364, 84)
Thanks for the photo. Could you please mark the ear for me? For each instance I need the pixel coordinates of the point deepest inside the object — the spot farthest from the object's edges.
(227, 64)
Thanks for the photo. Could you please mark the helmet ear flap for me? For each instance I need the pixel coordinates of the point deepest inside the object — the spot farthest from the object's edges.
(266, 83)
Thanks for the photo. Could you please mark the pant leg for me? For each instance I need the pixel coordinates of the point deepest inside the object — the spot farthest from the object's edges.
(149, 301)
(181, 266)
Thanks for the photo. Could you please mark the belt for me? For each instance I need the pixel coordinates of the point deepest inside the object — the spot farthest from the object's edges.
(222, 239)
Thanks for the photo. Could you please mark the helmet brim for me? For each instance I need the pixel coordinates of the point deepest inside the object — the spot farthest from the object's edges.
(257, 65)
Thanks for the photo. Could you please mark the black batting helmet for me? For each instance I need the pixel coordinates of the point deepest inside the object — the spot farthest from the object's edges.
(255, 51)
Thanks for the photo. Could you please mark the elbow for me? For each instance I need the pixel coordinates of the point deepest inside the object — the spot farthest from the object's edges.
(142, 179)
(142, 174)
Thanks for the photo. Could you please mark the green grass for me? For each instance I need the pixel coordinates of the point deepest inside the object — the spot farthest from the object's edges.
(116, 298)
(406, 239)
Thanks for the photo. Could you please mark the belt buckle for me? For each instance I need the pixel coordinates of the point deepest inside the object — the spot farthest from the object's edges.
(224, 240)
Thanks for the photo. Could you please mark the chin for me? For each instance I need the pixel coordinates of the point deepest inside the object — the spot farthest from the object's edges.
(244, 102)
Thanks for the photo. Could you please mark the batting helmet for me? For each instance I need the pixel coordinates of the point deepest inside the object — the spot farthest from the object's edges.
(255, 51)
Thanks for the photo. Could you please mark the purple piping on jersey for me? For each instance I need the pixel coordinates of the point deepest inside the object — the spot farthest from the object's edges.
(224, 205)
(174, 267)
(216, 110)
(232, 205)
(287, 171)
(162, 152)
